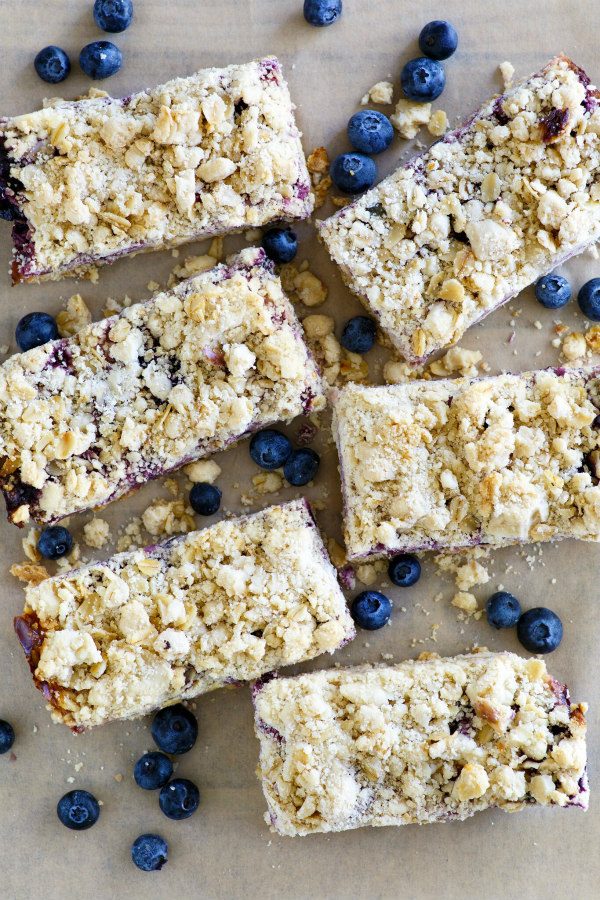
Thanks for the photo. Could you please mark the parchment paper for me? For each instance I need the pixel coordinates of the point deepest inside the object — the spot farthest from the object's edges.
(225, 850)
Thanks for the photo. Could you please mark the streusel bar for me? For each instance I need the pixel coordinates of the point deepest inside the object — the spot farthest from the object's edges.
(92, 180)
(454, 463)
(85, 419)
(462, 228)
(115, 640)
(431, 740)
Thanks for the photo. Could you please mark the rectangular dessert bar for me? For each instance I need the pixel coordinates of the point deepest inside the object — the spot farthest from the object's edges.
(95, 179)
(429, 740)
(115, 640)
(85, 419)
(455, 463)
(463, 227)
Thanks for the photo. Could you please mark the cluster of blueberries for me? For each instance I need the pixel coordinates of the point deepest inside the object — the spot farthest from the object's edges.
(371, 132)
(554, 291)
(174, 731)
(100, 59)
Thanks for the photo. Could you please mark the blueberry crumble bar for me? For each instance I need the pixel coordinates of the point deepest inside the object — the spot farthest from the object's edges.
(462, 228)
(85, 419)
(455, 463)
(229, 603)
(431, 740)
(92, 180)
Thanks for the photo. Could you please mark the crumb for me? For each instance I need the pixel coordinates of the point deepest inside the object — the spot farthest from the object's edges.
(193, 265)
(507, 70)
(267, 482)
(438, 123)
(381, 93)
(592, 338)
(167, 517)
(253, 235)
(465, 601)
(30, 573)
(538, 325)
(310, 289)
(96, 533)
(457, 360)
(367, 573)
(409, 117)
(216, 248)
(118, 778)
(73, 317)
(317, 162)
(320, 191)
(29, 544)
(337, 554)
(152, 286)
(204, 470)
(574, 346)
(131, 536)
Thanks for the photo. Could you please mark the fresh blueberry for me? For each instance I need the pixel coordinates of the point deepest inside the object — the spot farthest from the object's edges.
(322, 12)
(552, 291)
(179, 798)
(359, 334)
(205, 499)
(150, 852)
(7, 736)
(404, 570)
(54, 542)
(589, 299)
(370, 131)
(52, 64)
(35, 329)
(302, 466)
(353, 173)
(438, 39)
(371, 610)
(422, 79)
(174, 729)
(540, 630)
(270, 449)
(100, 59)
(280, 244)
(503, 610)
(113, 15)
(78, 810)
(152, 770)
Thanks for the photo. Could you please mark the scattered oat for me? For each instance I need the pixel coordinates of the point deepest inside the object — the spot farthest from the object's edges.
(457, 360)
(267, 482)
(30, 573)
(203, 470)
(216, 248)
(466, 602)
(507, 70)
(538, 325)
(337, 554)
(96, 533)
(73, 317)
(381, 93)
(438, 123)
(317, 162)
(29, 544)
(194, 265)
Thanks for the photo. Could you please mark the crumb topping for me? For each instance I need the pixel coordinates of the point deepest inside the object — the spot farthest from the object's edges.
(461, 229)
(423, 741)
(85, 419)
(498, 460)
(220, 605)
(99, 178)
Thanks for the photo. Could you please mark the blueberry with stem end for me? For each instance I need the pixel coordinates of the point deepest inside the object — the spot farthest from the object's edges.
(370, 131)
(174, 729)
(152, 771)
(280, 244)
(404, 570)
(353, 173)
(205, 498)
(423, 79)
(179, 799)
(438, 39)
(301, 467)
(502, 610)
(322, 12)
(371, 610)
(552, 291)
(100, 59)
(270, 449)
(78, 810)
(540, 630)
(150, 852)
(113, 16)
(52, 64)
(55, 542)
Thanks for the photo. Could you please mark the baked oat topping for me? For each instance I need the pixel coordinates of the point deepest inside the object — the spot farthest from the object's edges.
(431, 740)
(448, 464)
(96, 179)
(229, 603)
(462, 228)
(381, 93)
(85, 419)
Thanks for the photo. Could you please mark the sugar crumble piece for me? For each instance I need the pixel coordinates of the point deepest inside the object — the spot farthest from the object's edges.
(194, 265)
(574, 346)
(337, 554)
(368, 573)
(507, 71)
(268, 482)
(29, 544)
(30, 573)
(75, 316)
(318, 161)
(310, 289)
(96, 533)
(203, 470)
(438, 124)
(409, 117)
(167, 517)
(381, 93)
(457, 360)
(465, 601)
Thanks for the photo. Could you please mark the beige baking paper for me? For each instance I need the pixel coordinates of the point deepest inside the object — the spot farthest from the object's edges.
(225, 850)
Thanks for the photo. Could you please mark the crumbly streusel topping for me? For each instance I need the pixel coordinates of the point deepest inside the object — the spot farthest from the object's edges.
(85, 419)
(225, 604)
(422, 741)
(462, 228)
(100, 178)
(498, 460)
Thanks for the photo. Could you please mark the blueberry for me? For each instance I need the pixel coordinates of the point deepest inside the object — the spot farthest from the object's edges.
(353, 173)
(35, 329)
(370, 131)
(552, 291)
(371, 610)
(205, 499)
(54, 542)
(100, 59)
(589, 299)
(174, 729)
(52, 64)
(422, 79)
(152, 770)
(540, 630)
(404, 570)
(503, 610)
(113, 15)
(302, 466)
(179, 798)
(322, 12)
(438, 39)
(359, 334)
(280, 244)
(150, 852)
(7, 736)
(270, 449)
(78, 810)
